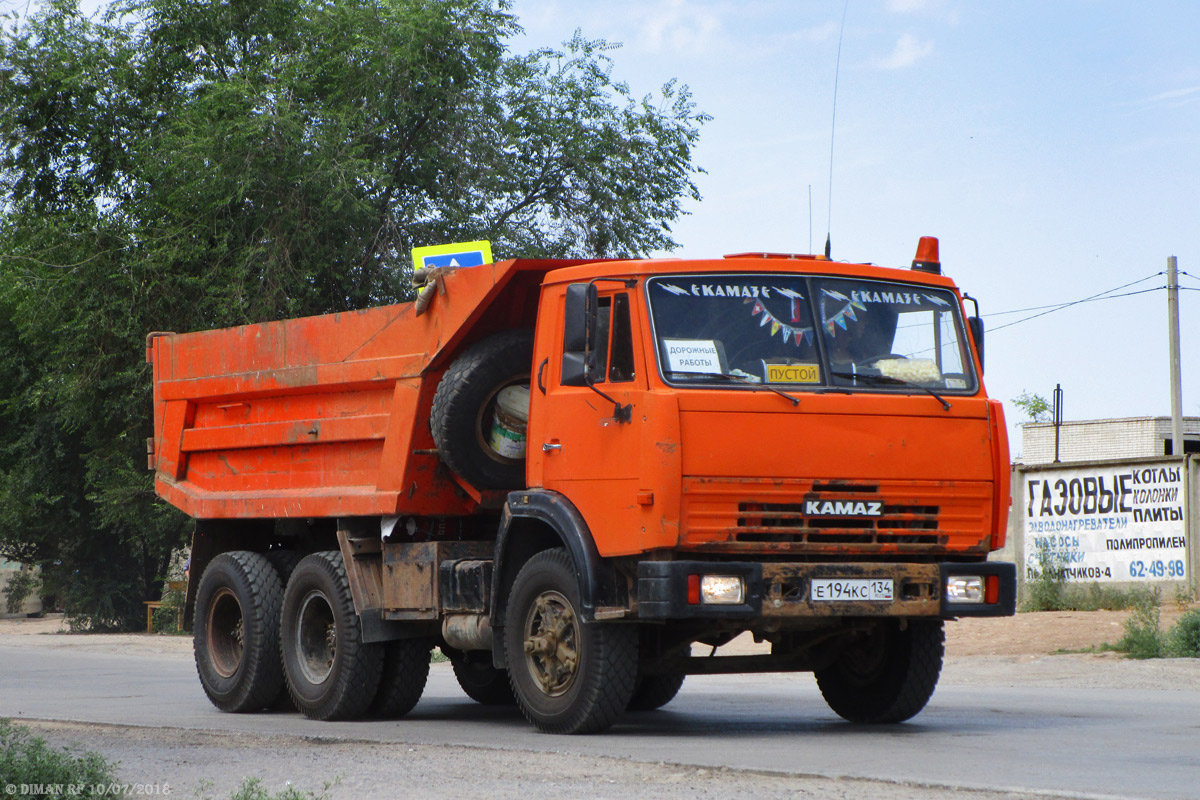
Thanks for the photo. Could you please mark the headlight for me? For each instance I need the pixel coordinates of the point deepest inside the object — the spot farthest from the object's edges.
(964, 589)
(725, 590)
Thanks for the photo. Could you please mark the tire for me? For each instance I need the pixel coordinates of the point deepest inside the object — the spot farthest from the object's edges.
(284, 562)
(482, 682)
(655, 691)
(331, 672)
(405, 671)
(236, 632)
(886, 676)
(464, 407)
(568, 676)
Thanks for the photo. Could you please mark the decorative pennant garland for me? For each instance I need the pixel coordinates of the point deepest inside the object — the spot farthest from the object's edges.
(838, 320)
(789, 333)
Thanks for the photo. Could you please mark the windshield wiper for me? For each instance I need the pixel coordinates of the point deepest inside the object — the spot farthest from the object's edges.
(745, 380)
(897, 381)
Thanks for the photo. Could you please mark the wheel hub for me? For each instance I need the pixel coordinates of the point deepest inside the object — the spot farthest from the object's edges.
(316, 638)
(551, 643)
(224, 633)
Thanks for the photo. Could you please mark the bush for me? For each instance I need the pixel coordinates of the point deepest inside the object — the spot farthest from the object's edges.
(1047, 589)
(1044, 589)
(1183, 640)
(252, 789)
(1143, 637)
(28, 759)
(20, 586)
(166, 616)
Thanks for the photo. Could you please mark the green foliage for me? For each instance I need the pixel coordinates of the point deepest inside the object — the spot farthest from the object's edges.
(252, 789)
(1183, 640)
(22, 584)
(1045, 587)
(28, 759)
(1048, 590)
(1035, 407)
(166, 616)
(1143, 637)
(190, 164)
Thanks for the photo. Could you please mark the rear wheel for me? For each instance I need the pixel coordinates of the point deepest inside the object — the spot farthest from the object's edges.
(236, 631)
(887, 675)
(284, 562)
(331, 672)
(481, 682)
(569, 676)
(405, 671)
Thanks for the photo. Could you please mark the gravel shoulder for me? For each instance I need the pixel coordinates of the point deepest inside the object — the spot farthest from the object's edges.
(203, 765)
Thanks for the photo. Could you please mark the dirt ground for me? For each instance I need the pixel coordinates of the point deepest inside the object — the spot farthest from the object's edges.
(1028, 634)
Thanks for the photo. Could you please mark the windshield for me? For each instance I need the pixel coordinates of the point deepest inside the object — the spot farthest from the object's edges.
(808, 332)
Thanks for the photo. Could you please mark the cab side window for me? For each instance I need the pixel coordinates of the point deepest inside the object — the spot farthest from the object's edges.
(620, 368)
(614, 340)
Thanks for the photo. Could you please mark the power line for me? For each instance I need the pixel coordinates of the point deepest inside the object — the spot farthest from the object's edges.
(1102, 296)
(1073, 302)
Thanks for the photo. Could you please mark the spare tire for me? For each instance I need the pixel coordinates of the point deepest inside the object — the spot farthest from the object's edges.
(465, 407)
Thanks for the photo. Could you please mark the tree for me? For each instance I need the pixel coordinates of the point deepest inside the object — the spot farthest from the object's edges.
(189, 164)
(1035, 407)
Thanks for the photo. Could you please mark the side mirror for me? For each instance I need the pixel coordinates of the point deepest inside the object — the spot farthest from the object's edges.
(581, 328)
(976, 326)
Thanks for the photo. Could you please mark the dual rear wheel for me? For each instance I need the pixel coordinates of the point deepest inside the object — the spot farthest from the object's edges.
(257, 642)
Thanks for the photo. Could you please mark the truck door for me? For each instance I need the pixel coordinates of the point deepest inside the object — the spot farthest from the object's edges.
(577, 445)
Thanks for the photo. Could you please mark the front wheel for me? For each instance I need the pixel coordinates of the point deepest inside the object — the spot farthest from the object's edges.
(569, 676)
(331, 672)
(886, 675)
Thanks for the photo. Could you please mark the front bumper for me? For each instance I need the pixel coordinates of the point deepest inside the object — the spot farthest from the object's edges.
(784, 590)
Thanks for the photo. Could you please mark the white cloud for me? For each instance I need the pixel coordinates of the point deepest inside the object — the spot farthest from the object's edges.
(677, 25)
(908, 51)
(906, 6)
(818, 34)
(1172, 95)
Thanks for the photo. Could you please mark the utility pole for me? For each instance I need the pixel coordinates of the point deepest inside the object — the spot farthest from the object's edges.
(1058, 417)
(1173, 337)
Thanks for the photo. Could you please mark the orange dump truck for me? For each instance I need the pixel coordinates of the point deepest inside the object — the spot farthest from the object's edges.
(569, 474)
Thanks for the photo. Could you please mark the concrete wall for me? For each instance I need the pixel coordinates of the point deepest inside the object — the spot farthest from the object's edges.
(1022, 526)
(1101, 439)
(33, 603)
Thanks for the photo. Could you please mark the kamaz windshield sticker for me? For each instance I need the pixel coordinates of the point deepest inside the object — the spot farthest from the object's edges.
(693, 355)
(890, 298)
(725, 290)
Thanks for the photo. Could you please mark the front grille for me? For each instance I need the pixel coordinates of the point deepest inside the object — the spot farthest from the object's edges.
(895, 517)
(789, 522)
(775, 522)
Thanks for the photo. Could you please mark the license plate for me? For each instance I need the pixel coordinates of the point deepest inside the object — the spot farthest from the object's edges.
(848, 590)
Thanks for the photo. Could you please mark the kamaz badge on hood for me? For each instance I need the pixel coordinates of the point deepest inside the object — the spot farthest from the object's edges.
(842, 508)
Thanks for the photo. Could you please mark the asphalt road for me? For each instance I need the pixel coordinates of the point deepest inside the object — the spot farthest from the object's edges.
(979, 732)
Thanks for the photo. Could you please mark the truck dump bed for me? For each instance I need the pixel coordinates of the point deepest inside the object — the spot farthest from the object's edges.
(324, 416)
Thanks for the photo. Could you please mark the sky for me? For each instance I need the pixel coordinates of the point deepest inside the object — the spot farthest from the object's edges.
(1052, 147)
